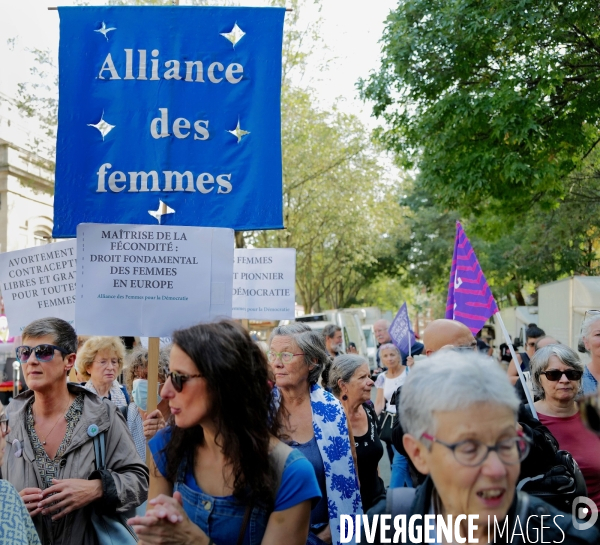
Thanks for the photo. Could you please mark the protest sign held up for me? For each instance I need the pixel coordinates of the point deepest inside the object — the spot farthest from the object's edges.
(150, 280)
(401, 331)
(264, 281)
(39, 282)
(175, 129)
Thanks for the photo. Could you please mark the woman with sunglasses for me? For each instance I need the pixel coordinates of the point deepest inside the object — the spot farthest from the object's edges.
(50, 457)
(221, 475)
(556, 373)
(460, 415)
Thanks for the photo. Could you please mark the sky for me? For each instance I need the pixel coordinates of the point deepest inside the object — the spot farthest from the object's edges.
(351, 30)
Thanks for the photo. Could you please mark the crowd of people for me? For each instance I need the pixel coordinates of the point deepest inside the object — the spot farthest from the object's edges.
(268, 444)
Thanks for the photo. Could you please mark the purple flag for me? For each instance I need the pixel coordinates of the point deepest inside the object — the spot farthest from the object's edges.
(401, 331)
(470, 299)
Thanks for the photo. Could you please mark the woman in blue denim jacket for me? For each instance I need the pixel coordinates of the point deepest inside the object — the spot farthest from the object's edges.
(221, 475)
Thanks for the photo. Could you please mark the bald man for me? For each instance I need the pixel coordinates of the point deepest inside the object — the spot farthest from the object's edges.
(450, 333)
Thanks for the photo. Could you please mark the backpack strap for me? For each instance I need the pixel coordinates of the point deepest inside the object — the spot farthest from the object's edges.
(399, 500)
(100, 451)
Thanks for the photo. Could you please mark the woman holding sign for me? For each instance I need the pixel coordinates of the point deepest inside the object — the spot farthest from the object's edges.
(221, 475)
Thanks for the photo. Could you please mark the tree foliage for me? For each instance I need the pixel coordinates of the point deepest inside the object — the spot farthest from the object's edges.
(495, 102)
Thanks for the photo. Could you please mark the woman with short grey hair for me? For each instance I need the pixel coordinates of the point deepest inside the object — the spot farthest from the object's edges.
(459, 412)
(350, 381)
(590, 336)
(556, 372)
(315, 423)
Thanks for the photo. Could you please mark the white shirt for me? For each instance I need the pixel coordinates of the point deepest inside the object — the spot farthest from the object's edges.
(390, 385)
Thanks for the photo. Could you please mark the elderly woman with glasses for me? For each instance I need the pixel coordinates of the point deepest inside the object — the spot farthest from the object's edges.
(100, 361)
(459, 411)
(51, 459)
(590, 331)
(556, 372)
(314, 422)
(221, 474)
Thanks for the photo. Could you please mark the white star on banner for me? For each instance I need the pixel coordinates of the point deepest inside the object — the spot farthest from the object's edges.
(104, 30)
(238, 132)
(162, 210)
(235, 35)
(102, 126)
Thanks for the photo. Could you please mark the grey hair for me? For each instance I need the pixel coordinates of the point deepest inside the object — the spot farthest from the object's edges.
(387, 346)
(342, 368)
(452, 381)
(62, 332)
(330, 330)
(587, 324)
(541, 360)
(310, 342)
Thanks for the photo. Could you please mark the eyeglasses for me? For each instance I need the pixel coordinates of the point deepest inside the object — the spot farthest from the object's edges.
(4, 424)
(43, 352)
(473, 453)
(285, 357)
(178, 379)
(556, 374)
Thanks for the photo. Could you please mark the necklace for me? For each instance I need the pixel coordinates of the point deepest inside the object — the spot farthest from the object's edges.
(56, 423)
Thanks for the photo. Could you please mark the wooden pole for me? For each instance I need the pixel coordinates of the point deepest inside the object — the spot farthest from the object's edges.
(153, 351)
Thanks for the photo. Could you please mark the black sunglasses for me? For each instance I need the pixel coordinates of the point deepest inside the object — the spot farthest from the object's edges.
(178, 380)
(43, 352)
(555, 374)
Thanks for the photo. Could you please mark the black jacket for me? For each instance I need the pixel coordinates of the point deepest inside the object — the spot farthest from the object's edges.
(558, 527)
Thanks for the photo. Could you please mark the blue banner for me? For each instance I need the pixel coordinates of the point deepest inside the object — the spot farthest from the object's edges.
(169, 115)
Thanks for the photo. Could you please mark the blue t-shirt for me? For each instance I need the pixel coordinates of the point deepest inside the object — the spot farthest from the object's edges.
(320, 513)
(298, 482)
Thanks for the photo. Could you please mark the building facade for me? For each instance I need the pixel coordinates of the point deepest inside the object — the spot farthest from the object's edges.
(26, 184)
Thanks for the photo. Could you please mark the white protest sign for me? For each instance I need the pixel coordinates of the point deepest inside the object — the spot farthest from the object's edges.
(264, 281)
(151, 280)
(39, 282)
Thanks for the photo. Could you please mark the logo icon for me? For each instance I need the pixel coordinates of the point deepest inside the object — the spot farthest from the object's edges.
(579, 512)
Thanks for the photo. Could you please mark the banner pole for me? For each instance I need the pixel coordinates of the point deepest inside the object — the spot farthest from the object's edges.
(519, 370)
(153, 351)
(152, 402)
(409, 344)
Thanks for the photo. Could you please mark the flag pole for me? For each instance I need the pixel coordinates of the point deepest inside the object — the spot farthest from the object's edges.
(519, 370)
(409, 346)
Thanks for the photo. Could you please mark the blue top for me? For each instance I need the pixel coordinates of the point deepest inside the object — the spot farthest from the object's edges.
(589, 383)
(320, 514)
(298, 482)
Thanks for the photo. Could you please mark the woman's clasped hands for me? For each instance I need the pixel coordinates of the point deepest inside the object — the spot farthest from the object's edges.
(166, 523)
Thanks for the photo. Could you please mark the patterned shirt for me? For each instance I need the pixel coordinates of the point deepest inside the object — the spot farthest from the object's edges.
(47, 468)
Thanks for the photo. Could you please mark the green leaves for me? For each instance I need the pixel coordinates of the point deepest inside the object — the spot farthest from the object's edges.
(495, 102)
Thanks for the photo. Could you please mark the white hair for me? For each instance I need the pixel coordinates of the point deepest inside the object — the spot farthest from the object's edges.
(452, 381)
(587, 324)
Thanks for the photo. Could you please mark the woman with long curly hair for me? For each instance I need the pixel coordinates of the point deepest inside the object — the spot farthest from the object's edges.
(230, 478)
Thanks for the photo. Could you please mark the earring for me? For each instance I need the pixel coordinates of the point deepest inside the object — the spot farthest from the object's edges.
(345, 397)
